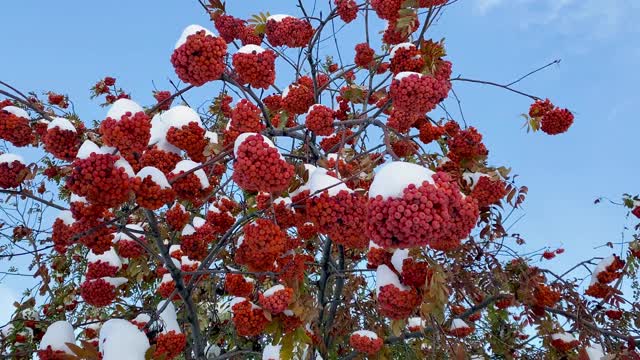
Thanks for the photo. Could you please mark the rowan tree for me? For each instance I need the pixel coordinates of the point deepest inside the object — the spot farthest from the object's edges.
(320, 205)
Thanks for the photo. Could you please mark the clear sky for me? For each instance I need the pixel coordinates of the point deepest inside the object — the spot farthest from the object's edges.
(66, 46)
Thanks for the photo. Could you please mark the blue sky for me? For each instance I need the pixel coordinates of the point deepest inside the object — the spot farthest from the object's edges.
(67, 46)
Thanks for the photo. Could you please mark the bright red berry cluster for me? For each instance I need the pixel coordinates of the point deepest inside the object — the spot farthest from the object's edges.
(342, 217)
(237, 285)
(395, 303)
(347, 10)
(98, 292)
(553, 120)
(249, 319)
(170, 344)
(164, 161)
(200, 59)
(190, 138)
(255, 66)
(278, 301)
(297, 99)
(260, 167)
(228, 27)
(365, 344)
(12, 174)
(320, 120)
(15, 129)
(100, 180)
(488, 191)
(386, 9)
(263, 243)
(289, 31)
(364, 55)
(429, 214)
(130, 134)
(416, 93)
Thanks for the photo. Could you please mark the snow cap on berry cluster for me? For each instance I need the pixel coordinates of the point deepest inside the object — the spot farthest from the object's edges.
(394, 177)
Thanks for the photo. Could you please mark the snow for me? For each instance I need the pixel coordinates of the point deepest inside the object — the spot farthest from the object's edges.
(278, 17)
(595, 352)
(9, 158)
(385, 276)
(319, 182)
(174, 248)
(286, 91)
(115, 281)
(395, 48)
(198, 222)
(366, 333)
(78, 198)
(121, 340)
(16, 111)
(157, 176)
(271, 352)
(87, 148)
(124, 164)
(57, 336)
(179, 116)
(166, 278)
(373, 245)
(211, 136)
(123, 106)
(213, 351)
(159, 129)
(186, 165)
(66, 216)
(404, 74)
(602, 266)
(142, 318)
(62, 124)
(416, 322)
(564, 337)
(236, 300)
(272, 290)
(169, 317)
(188, 262)
(288, 313)
(394, 177)
(458, 324)
(134, 228)
(190, 30)
(398, 257)
(472, 178)
(188, 230)
(110, 257)
(249, 49)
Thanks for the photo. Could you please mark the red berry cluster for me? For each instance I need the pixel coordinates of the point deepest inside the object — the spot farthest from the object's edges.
(320, 120)
(257, 68)
(406, 58)
(200, 59)
(94, 234)
(563, 346)
(331, 144)
(245, 117)
(188, 187)
(347, 10)
(260, 167)
(130, 249)
(415, 273)
(430, 214)
(276, 302)
(600, 288)
(12, 174)
(15, 129)
(61, 236)
(195, 244)
(99, 269)
(263, 243)
(544, 296)
(63, 144)
(365, 344)
(364, 56)
(428, 3)
(404, 148)
(292, 267)
(98, 179)
(289, 31)
(397, 304)
(249, 36)
(164, 161)
(396, 33)
(467, 145)
(378, 256)
(220, 221)
(430, 132)
(402, 121)
(553, 120)
(228, 27)
(237, 285)
(488, 191)
(248, 319)
(189, 138)
(162, 97)
(50, 354)
(386, 9)
(98, 292)
(130, 134)
(150, 195)
(342, 217)
(297, 99)
(170, 344)
(177, 217)
(416, 93)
